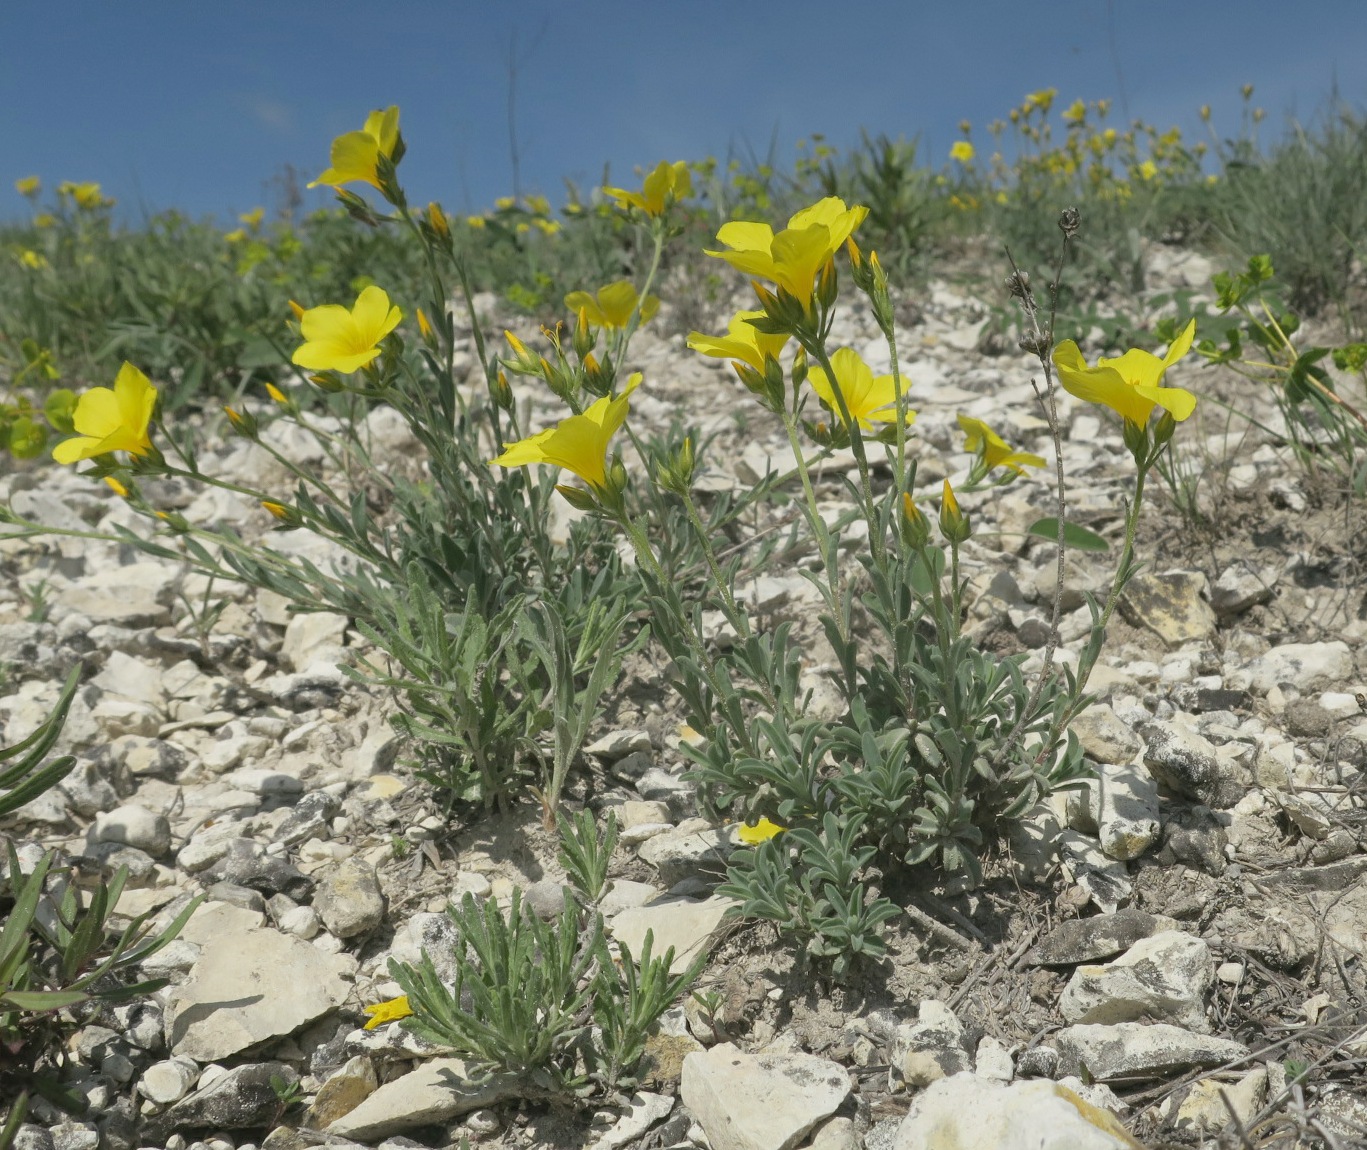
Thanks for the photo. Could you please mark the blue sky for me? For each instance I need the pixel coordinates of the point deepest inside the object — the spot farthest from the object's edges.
(196, 104)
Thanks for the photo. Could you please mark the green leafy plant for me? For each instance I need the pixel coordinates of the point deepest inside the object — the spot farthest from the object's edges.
(58, 950)
(1326, 430)
(546, 1001)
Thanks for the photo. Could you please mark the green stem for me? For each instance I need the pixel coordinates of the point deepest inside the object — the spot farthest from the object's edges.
(645, 555)
(829, 558)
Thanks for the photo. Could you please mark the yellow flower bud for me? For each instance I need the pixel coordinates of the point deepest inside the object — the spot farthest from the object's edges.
(298, 310)
(424, 325)
(276, 394)
(115, 486)
(953, 522)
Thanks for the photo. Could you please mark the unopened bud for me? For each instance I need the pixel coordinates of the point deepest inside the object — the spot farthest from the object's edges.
(953, 522)
(286, 516)
(915, 528)
(436, 220)
(1018, 284)
(585, 338)
(1069, 220)
(827, 284)
(243, 423)
(327, 381)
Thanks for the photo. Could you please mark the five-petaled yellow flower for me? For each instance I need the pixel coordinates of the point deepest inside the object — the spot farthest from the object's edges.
(666, 183)
(1131, 385)
(761, 832)
(340, 340)
(871, 399)
(578, 443)
(356, 155)
(612, 306)
(743, 341)
(28, 186)
(111, 420)
(390, 1011)
(792, 258)
(962, 151)
(981, 439)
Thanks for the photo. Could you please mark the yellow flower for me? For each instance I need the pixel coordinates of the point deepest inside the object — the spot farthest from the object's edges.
(345, 341)
(28, 186)
(32, 259)
(1148, 170)
(253, 218)
(44, 220)
(356, 155)
(1130, 385)
(578, 443)
(743, 341)
(983, 440)
(505, 203)
(612, 306)
(1042, 99)
(114, 420)
(1076, 112)
(550, 227)
(871, 399)
(85, 195)
(668, 182)
(962, 151)
(474, 221)
(390, 1011)
(236, 236)
(794, 256)
(538, 205)
(761, 832)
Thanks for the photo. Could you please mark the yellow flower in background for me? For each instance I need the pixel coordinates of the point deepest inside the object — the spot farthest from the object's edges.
(538, 205)
(667, 182)
(982, 440)
(111, 420)
(1132, 384)
(33, 260)
(85, 195)
(578, 443)
(1076, 112)
(612, 306)
(44, 220)
(390, 1011)
(1148, 170)
(962, 151)
(356, 155)
(549, 227)
(761, 832)
(475, 221)
(792, 258)
(340, 340)
(1043, 99)
(743, 341)
(236, 236)
(505, 203)
(28, 186)
(253, 218)
(871, 399)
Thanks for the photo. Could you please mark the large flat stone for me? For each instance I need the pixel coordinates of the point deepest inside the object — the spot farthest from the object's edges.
(760, 1101)
(249, 986)
(435, 1092)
